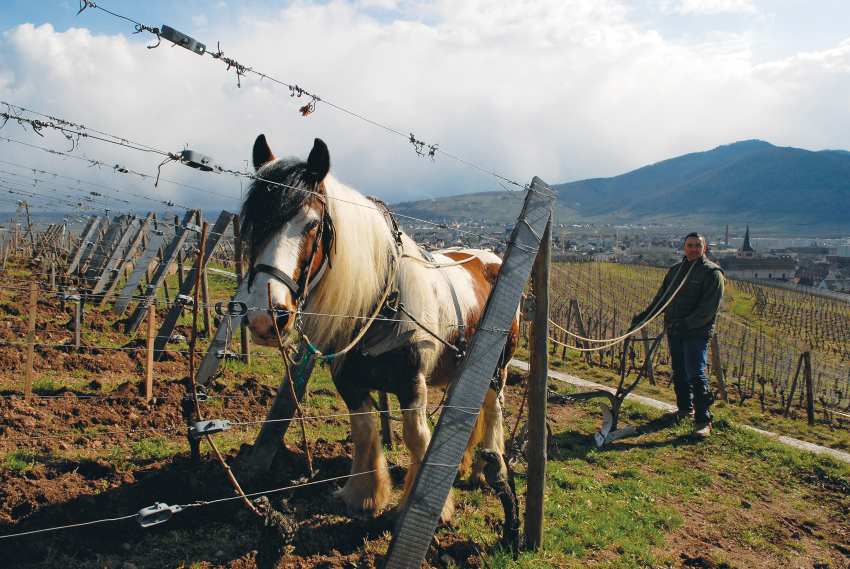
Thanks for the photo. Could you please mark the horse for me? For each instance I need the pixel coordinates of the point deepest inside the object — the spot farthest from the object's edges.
(333, 265)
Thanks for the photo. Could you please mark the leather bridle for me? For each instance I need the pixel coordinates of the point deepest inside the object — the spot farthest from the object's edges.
(306, 282)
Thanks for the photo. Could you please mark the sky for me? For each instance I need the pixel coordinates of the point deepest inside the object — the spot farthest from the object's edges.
(560, 89)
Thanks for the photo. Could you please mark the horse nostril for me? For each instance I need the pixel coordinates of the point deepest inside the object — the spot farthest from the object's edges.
(281, 316)
(282, 319)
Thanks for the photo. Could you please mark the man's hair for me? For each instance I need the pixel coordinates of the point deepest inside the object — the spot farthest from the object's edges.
(699, 236)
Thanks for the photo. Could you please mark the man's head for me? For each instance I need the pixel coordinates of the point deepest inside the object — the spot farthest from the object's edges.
(694, 246)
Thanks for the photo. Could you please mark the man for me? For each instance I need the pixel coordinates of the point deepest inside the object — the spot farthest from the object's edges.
(689, 322)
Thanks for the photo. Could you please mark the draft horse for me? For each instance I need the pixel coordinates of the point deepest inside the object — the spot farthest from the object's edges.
(333, 265)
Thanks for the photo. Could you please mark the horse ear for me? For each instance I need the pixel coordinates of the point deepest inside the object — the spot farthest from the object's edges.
(262, 152)
(319, 161)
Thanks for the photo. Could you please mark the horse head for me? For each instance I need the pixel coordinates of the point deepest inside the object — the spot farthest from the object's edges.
(289, 236)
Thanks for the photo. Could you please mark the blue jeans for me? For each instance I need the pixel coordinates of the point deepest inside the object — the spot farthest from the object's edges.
(689, 355)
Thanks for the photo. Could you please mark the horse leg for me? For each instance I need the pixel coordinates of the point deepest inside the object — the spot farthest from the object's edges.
(492, 428)
(368, 490)
(417, 436)
(477, 435)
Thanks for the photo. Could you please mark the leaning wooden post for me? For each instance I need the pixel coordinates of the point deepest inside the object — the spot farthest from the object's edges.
(244, 344)
(810, 396)
(31, 340)
(417, 520)
(149, 353)
(537, 378)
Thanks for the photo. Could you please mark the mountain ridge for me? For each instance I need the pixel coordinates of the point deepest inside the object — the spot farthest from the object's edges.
(749, 181)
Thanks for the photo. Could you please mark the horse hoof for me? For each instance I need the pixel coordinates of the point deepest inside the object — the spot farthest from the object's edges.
(362, 514)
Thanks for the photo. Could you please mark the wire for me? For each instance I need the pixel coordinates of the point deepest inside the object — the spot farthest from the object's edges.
(246, 175)
(421, 148)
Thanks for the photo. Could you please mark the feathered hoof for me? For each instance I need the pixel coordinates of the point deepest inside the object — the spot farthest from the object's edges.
(361, 507)
(448, 512)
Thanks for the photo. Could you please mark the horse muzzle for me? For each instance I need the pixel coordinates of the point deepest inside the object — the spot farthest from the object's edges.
(265, 325)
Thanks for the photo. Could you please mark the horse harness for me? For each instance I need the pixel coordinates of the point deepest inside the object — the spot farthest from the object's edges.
(394, 332)
(306, 282)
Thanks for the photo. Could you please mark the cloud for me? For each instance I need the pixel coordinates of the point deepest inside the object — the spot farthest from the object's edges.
(560, 89)
(709, 6)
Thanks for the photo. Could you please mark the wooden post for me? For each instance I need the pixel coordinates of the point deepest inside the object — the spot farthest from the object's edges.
(205, 296)
(790, 398)
(31, 340)
(810, 396)
(414, 528)
(149, 353)
(244, 344)
(538, 377)
(194, 444)
(78, 321)
(717, 367)
(180, 274)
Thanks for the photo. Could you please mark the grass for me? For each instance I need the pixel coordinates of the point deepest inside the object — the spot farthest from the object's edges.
(19, 461)
(621, 507)
(828, 433)
(639, 503)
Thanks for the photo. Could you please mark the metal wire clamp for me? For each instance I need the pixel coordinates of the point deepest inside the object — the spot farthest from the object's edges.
(156, 514)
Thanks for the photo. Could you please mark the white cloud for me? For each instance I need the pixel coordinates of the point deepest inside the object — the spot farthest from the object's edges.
(200, 21)
(563, 90)
(709, 6)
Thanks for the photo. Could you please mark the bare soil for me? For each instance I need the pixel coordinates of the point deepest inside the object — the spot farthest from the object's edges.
(84, 458)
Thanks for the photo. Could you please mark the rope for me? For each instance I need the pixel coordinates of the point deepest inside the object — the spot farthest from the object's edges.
(432, 265)
(614, 341)
(363, 329)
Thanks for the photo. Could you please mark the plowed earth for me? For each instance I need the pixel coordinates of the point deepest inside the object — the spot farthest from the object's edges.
(98, 450)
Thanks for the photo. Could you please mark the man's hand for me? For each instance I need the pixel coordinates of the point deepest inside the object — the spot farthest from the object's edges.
(676, 327)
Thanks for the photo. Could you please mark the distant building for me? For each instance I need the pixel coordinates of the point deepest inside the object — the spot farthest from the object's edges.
(747, 264)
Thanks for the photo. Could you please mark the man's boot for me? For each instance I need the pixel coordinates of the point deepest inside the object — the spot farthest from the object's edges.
(684, 402)
(703, 398)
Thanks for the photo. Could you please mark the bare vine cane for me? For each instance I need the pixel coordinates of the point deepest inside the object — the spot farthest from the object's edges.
(199, 267)
(286, 361)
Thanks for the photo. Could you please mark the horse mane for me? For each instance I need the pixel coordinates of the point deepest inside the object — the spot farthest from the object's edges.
(267, 207)
(361, 254)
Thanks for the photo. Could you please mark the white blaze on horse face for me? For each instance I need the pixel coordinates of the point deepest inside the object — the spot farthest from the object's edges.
(281, 252)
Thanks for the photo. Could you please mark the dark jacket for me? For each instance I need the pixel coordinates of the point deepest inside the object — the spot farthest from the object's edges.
(697, 302)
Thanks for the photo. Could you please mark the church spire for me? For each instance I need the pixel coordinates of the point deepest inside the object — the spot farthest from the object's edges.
(746, 247)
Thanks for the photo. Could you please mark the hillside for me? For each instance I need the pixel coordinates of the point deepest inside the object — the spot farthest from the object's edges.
(755, 182)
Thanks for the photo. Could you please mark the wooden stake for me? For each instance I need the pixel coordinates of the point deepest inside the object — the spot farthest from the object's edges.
(245, 347)
(149, 353)
(31, 341)
(790, 398)
(205, 300)
(810, 396)
(194, 445)
(538, 378)
(78, 322)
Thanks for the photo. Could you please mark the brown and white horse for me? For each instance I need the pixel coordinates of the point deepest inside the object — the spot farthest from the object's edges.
(323, 250)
